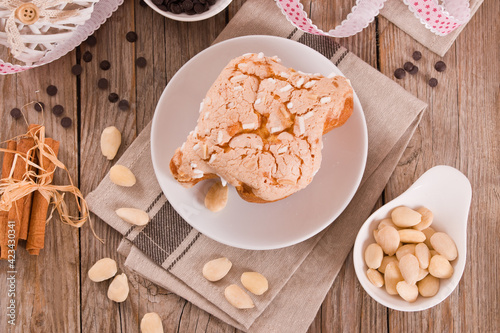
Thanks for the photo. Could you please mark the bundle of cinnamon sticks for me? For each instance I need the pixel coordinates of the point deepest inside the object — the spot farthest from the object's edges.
(26, 219)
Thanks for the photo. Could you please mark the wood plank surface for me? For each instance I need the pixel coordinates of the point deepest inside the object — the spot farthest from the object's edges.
(460, 128)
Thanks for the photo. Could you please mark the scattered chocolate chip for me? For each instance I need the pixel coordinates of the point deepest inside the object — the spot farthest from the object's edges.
(87, 56)
(77, 70)
(58, 110)
(142, 3)
(141, 62)
(399, 73)
(39, 106)
(113, 97)
(199, 8)
(102, 84)
(91, 41)
(131, 36)
(414, 70)
(51, 90)
(105, 65)
(408, 66)
(433, 82)
(66, 122)
(123, 105)
(157, 2)
(417, 55)
(16, 113)
(440, 66)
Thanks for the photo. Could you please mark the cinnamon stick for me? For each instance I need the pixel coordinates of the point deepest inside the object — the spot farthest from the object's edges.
(20, 168)
(8, 159)
(40, 207)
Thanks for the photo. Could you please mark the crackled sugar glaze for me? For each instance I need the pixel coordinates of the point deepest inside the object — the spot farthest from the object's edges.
(260, 127)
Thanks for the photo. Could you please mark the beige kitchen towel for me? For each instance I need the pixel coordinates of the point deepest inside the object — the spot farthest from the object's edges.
(171, 246)
(399, 14)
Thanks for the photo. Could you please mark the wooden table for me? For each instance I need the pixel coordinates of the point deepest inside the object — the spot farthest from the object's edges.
(460, 128)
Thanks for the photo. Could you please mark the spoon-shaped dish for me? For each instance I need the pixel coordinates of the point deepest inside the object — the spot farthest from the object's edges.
(447, 193)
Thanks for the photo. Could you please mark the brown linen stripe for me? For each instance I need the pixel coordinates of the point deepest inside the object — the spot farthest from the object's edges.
(324, 45)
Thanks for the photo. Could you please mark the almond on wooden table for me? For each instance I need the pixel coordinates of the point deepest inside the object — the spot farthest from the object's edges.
(111, 139)
(122, 176)
(118, 289)
(103, 269)
(151, 323)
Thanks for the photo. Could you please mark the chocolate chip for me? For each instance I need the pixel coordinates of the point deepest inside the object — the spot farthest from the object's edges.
(417, 55)
(202, 1)
(77, 70)
(163, 7)
(199, 8)
(16, 113)
(123, 105)
(211, 2)
(141, 62)
(58, 110)
(191, 12)
(102, 84)
(91, 41)
(157, 2)
(408, 66)
(175, 8)
(399, 73)
(187, 5)
(131, 36)
(433, 82)
(414, 70)
(113, 97)
(51, 90)
(142, 3)
(440, 66)
(87, 56)
(105, 65)
(39, 106)
(66, 122)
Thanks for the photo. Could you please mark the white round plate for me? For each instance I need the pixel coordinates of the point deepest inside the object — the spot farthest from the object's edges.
(251, 225)
(215, 9)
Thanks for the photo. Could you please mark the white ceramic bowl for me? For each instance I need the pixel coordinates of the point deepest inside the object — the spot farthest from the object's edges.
(219, 6)
(447, 193)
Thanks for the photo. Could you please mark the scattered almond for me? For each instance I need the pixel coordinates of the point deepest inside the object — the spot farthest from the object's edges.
(388, 239)
(111, 139)
(374, 255)
(216, 198)
(255, 283)
(427, 217)
(216, 269)
(118, 289)
(151, 323)
(405, 217)
(428, 286)
(238, 298)
(411, 236)
(440, 267)
(122, 176)
(407, 291)
(375, 277)
(133, 216)
(444, 245)
(103, 269)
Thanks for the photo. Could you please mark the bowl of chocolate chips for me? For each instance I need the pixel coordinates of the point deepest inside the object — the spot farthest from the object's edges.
(188, 10)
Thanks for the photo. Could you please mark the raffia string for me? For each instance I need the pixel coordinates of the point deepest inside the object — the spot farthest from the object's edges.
(48, 12)
(12, 190)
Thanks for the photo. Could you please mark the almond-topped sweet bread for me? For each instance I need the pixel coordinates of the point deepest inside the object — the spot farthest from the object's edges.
(260, 128)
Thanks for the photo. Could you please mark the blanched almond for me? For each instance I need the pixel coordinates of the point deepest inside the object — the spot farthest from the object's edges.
(428, 286)
(118, 289)
(121, 176)
(440, 267)
(216, 198)
(388, 239)
(386, 223)
(373, 255)
(385, 261)
(427, 217)
(409, 267)
(405, 217)
(375, 235)
(111, 139)
(216, 269)
(428, 232)
(392, 276)
(444, 245)
(237, 297)
(423, 255)
(151, 323)
(422, 273)
(408, 292)
(255, 283)
(404, 250)
(103, 269)
(133, 216)
(411, 236)
(375, 277)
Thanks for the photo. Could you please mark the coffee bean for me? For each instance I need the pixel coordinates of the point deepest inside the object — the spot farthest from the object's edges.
(77, 70)
(16, 113)
(433, 82)
(131, 36)
(142, 3)
(102, 84)
(157, 2)
(187, 5)
(91, 41)
(87, 56)
(199, 8)
(113, 97)
(141, 62)
(123, 105)
(417, 55)
(408, 66)
(66, 122)
(58, 110)
(175, 8)
(105, 65)
(440, 66)
(414, 70)
(399, 73)
(51, 90)
(39, 106)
